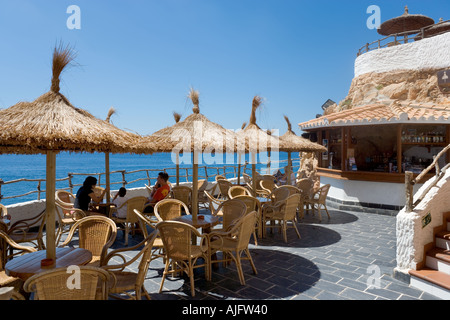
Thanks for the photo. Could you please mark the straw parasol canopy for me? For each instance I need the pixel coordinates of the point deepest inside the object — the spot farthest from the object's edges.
(195, 134)
(51, 124)
(438, 28)
(290, 142)
(404, 23)
(252, 139)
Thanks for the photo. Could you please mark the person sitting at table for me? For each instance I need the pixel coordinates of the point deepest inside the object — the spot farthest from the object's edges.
(86, 193)
(282, 178)
(118, 200)
(159, 192)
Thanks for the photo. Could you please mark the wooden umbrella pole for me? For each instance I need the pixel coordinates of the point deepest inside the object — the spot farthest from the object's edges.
(50, 205)
(254, 173)
(178, 169)
(108, 181)
(288, 171)
(239, 169)
(195, 186)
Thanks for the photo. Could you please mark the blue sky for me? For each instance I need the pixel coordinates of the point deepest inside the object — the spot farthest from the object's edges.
(142, 56)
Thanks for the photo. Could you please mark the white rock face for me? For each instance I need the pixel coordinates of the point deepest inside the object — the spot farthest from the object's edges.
(429, 53)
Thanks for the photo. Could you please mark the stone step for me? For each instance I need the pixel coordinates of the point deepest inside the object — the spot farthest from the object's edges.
(438, 259)
(431, 281)
(443, 239)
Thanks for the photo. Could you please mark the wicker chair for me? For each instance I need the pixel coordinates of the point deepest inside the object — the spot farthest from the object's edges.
(247, 179)
(201, 198)
(235, 191)
(66, 217)
(23, 231)
(65, 198)
(5, 280)
(83, 283)
(224, 186)
(147, 221)
(277, 195)
(4, 212)
(181, 253)
(125, 281)
(96, 234)
(184, 194)
(283, 211)
(230, 211)
(234, 241)
(267, 185)
(253, 204)
(128, 224)
(319, 200)
(219, 177)
(169, 209)
(213, 202)
(98, 192)
(306, 188)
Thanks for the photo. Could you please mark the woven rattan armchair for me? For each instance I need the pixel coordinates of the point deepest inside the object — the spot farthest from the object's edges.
(65, 198)
(4, 212)
(235, 191)
(253, 204)
(82, 283)
(224, 186)
(128, 224)
(319, 200)
(66, 217)
(184, 194)
(284, 212)
(213, 202)
(169, 209)
(201, 198)
(7, 281)
(306, 188)
(233, 243)
(267, 185)
(29, 230)
(230, 211)
(126, 280)
(147, 222)
(96, 234)
(181, 254)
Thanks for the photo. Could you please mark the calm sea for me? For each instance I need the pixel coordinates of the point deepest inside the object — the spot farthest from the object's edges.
(13, 167)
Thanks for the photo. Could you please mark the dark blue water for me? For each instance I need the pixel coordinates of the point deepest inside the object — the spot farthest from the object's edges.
(13, 167)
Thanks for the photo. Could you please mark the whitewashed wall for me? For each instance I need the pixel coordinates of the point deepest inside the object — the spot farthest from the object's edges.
(411, 237)
(429, 53)
(367, 191)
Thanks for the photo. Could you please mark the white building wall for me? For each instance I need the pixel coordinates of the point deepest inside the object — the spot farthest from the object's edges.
(429, 53)
(411, 236)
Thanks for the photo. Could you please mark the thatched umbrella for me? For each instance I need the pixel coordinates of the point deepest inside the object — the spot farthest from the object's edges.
(51, 124)
(253, 139)
(439, 28)
(195, 134)
(290, 142)
(405, 23)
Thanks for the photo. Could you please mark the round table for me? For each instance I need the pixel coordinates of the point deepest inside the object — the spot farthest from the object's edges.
(206, 223)
(29, 264)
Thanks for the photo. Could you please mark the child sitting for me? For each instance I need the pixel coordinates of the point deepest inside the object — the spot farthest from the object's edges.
(119, 200)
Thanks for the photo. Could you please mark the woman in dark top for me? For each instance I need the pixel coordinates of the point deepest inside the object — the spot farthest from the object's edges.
(86, 193)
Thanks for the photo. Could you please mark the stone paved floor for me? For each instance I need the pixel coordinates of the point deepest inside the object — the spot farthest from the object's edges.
(337, 259)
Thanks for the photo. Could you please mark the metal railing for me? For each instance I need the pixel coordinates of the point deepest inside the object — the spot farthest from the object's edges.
(410, 181)
(398, 38)
(148, 175)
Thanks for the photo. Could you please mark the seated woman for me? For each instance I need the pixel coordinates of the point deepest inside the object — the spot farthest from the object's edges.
(160, 191)
(86, 193)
